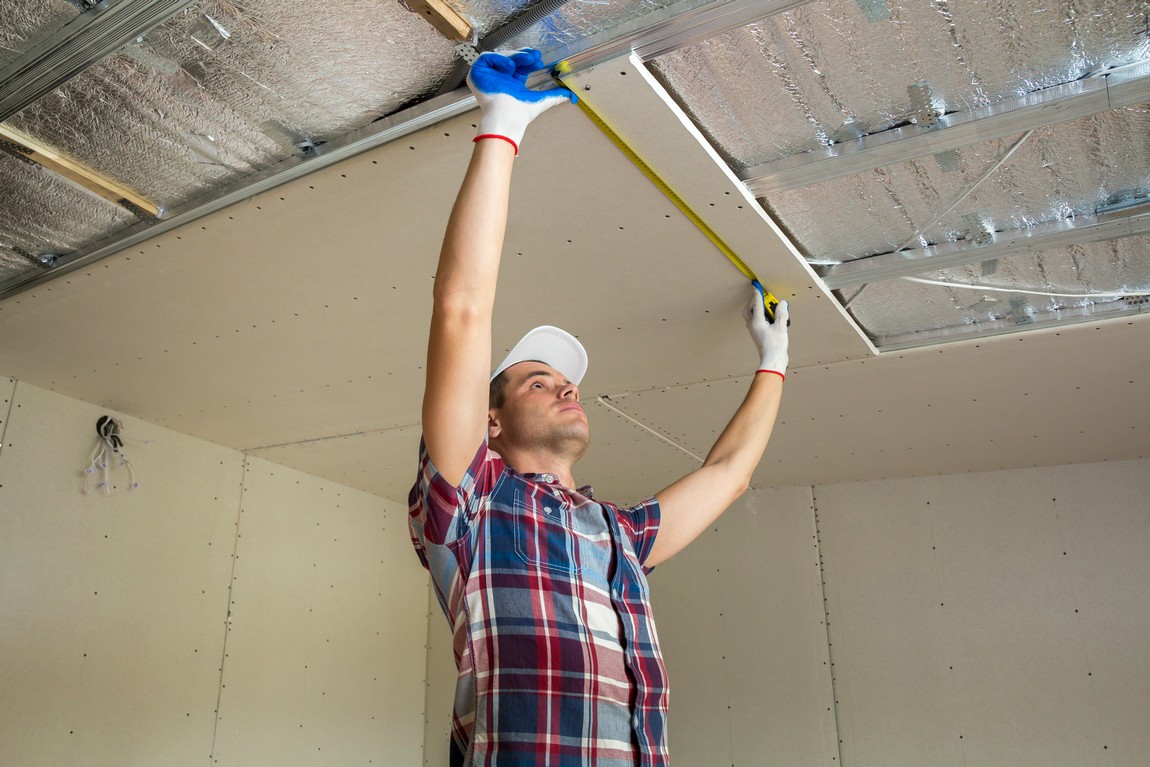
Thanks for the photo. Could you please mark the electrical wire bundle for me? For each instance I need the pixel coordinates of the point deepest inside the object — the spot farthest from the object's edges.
(108, 444)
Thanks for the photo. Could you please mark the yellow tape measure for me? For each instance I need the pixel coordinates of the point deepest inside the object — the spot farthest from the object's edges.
(769, 300)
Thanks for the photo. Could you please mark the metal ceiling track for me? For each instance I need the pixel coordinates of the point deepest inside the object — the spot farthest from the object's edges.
(1122, 222)
(668, 29)
(77, 45)
(1122, 87)
(1071, 315)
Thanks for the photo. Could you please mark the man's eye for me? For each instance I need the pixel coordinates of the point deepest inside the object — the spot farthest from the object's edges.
(536, 385)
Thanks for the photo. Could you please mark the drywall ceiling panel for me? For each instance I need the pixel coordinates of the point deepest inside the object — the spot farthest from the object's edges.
(625, 464)
(788, 83)
(381, 462)
(300, 314)
(626, 97)
(1069, 395)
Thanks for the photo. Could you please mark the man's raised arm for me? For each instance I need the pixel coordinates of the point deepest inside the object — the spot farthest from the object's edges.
(691, 504)
(459, 347)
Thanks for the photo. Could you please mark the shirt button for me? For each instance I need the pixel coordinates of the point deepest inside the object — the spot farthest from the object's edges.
(548, 510)
(615, 593)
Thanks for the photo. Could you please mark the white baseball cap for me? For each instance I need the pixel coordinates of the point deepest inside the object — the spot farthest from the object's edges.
(551, 346)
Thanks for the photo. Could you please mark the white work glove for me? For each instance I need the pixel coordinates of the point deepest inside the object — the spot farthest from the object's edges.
(499, 85)
(770, 337)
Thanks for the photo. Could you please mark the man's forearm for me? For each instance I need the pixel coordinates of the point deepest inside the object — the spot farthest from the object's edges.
(459, 344)
(469, 260)
(741, 445)
(692, 504)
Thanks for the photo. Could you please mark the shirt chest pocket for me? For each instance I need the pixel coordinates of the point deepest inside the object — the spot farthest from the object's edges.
(552, 535)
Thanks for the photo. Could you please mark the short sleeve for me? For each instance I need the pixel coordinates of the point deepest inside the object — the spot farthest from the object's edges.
(641, 525)
(439, 512)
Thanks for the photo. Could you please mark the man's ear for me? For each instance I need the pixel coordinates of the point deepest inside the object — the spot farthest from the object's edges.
(493, 427)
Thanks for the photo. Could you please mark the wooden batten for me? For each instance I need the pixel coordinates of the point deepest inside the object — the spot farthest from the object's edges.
(443, 17)
(46, 157)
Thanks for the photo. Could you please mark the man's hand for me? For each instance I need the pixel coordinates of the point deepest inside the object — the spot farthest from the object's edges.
(500, 86)
(770, 337)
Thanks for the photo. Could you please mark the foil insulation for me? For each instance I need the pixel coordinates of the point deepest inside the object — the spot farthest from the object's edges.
(218, 92)
(1069, 169)
(789, 83)
(830, 71)
(23, 23)
(1086, 280)
(34, 202)
(487, 15)
(580, 19)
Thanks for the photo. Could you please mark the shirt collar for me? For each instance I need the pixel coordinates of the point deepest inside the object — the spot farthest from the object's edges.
(546, 478)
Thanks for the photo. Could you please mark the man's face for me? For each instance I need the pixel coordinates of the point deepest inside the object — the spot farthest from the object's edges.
(541, 410)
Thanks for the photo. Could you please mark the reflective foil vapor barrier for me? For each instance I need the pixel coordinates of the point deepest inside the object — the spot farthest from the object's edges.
(1076, 283)
(215, 94)
(830, 73)
(823, 72)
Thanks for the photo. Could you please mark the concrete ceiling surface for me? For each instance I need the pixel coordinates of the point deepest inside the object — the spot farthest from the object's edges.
(293, 325)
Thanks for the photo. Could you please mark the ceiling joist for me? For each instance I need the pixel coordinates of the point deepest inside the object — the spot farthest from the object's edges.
(1122, 87)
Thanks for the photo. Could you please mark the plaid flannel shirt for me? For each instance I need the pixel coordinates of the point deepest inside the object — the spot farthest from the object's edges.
(544, 588)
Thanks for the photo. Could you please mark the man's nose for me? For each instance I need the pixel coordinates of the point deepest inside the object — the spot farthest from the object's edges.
(569, 391)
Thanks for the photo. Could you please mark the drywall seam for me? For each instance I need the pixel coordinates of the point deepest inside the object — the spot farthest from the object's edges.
(947, 639)
(228, 613)
(329, 437)
(826, 623)
(8, 416)
(432, 604)
(1072, 584)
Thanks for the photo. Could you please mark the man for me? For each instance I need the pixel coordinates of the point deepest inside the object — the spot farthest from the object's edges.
(545, 587)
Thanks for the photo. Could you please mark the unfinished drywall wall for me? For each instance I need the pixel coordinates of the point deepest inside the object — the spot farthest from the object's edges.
(441, 675)
(291, 604)
(976, 619)
(741, 623)
(995, 618)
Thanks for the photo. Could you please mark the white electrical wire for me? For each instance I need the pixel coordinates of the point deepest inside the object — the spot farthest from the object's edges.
(1110, 294)
(605, 403)
(994, 166)
(108, 444)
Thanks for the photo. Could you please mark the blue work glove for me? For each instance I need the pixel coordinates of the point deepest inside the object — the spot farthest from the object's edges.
(499, 85)
(770, 337)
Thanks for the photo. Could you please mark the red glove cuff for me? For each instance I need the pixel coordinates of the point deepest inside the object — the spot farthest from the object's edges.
(780, 375)
(496, 135)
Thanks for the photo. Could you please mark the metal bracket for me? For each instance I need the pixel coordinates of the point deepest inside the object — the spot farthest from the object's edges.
(467, 51)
